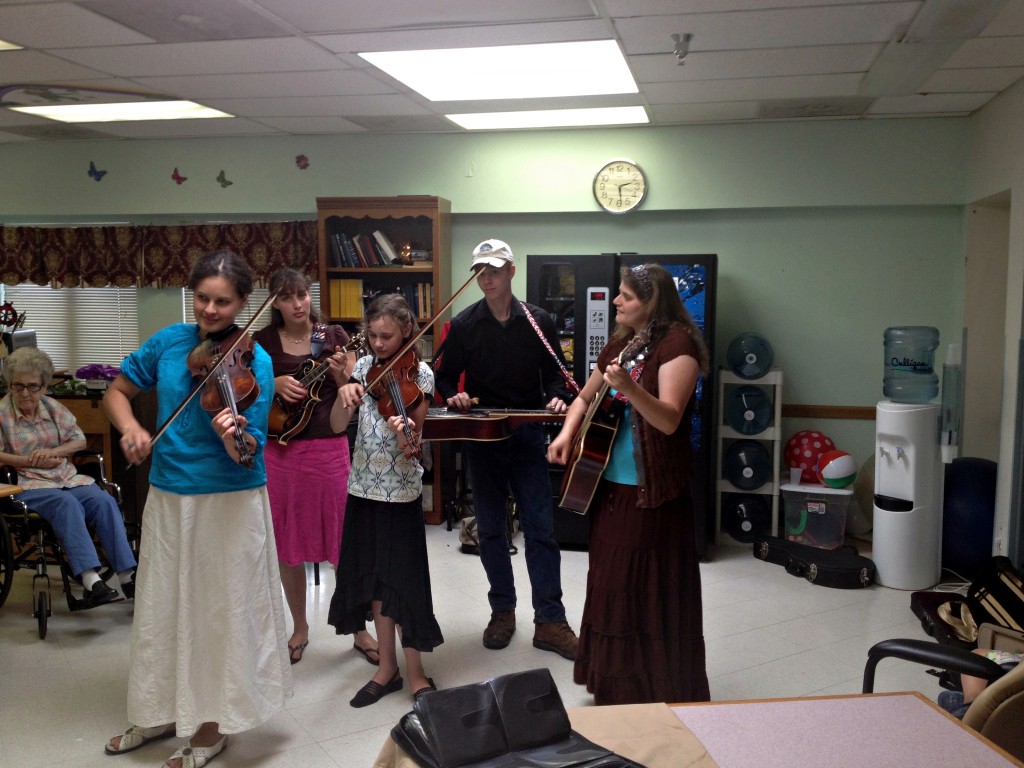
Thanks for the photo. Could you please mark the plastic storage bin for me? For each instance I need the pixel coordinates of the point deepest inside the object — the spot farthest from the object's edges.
(815, 514)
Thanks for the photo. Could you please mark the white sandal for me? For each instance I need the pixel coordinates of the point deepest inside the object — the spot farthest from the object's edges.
(136, 736)
(197, 757)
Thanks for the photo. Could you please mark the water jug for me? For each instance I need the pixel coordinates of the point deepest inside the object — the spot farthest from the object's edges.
(748, 410)
(750, 356)
(909, 375)
(747, 465)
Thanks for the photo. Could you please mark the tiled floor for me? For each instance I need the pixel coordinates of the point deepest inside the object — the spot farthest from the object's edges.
(768, 635)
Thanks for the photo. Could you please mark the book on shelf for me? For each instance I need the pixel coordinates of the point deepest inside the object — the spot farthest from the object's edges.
(387, 249)
(333, 251)
(347, 297)
(360, 253)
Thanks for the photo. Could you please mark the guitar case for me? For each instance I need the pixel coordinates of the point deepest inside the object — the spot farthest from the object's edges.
(841, 568)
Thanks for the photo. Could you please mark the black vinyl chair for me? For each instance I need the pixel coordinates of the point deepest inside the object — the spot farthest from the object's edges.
(998, 712)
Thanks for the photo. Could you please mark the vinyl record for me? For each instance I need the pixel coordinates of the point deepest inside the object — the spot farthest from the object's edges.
(748, 410)
(747, 465)
(750, 356)
(746, 517)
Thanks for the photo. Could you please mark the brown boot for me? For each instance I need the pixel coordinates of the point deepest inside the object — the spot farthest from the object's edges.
(500, 629)
(556, 636)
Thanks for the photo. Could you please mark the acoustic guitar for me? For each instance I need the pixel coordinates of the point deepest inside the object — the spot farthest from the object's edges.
(592, 446)
(484, 424)
(289, 419)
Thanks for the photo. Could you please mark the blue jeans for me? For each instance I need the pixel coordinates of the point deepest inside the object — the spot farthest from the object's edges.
(520, 462)
(72, 512)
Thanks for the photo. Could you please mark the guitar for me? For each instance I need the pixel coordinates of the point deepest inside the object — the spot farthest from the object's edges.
(592, 446)
(485, 424)
(289, 419)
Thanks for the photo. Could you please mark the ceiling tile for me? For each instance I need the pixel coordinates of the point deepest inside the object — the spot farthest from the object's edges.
(318, 16)
(984, 79)
(324, 83)
(935, 103)
(782, 62)
(459, 37)
(774, 28)
(178, 21)
(753, 89)
(285, 106)
(61, 25)
(234, 56)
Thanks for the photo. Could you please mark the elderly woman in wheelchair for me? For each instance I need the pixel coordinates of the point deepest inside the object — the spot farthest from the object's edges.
(38, 437)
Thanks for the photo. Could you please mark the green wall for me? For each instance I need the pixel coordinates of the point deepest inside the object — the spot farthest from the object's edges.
(826, 232)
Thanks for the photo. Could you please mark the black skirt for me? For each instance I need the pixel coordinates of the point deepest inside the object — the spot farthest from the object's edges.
(642, 636)
(384, 557)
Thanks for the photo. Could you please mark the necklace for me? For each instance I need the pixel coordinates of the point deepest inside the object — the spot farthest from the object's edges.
(295, 341)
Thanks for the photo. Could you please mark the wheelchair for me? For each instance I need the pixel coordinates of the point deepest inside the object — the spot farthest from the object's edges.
(27, 541)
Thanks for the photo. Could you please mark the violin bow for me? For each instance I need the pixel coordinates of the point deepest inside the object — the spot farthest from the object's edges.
(213, 368)
(419, 334)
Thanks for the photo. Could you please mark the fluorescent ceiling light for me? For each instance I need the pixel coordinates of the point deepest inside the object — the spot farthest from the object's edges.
(510, 71)
(5, 46)
(123, 111)
(551, 118)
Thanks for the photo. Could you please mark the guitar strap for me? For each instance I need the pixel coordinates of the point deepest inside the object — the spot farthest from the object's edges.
(570, 382)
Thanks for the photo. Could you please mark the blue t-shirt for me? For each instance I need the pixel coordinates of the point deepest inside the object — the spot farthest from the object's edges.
(189, 458)
(621, 464)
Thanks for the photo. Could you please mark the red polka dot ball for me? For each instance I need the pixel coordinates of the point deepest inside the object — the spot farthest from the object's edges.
(803, 450)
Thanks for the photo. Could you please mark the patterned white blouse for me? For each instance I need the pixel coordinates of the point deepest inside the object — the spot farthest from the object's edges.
(380, 471)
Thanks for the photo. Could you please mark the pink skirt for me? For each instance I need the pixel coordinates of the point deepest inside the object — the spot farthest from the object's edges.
(307, 481)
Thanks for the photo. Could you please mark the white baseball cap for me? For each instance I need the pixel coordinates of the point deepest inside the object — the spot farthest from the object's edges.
(494, 253)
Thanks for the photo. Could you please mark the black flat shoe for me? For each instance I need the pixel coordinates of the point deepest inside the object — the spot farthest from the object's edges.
(426, 689)
(373, 691)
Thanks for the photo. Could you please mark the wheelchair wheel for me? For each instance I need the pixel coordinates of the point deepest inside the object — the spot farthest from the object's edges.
(6, 561)
(42, 613)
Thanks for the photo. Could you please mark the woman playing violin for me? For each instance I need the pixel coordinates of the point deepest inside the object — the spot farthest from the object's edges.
(208, 645)
(383, 548)
(307, 477)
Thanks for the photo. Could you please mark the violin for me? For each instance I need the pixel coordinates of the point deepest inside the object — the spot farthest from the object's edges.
(232, 384)
(393, 386)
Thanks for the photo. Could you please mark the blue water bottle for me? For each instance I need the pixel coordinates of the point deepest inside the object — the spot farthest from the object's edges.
(909, 375)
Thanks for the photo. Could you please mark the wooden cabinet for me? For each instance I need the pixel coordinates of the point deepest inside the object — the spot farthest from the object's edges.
(418, 224)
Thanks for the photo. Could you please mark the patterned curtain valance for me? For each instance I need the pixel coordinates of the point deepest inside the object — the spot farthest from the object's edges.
(149, 256)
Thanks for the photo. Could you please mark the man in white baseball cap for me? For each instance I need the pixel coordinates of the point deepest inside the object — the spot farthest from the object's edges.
(511, 357)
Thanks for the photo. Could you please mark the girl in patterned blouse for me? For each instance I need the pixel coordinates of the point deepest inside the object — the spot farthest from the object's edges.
(383, 565)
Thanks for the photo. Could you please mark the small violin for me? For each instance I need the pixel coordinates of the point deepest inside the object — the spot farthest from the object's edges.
(232, 384)
(393, 386)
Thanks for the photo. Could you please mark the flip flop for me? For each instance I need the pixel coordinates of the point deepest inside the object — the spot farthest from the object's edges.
(293, 649)
(366, 653)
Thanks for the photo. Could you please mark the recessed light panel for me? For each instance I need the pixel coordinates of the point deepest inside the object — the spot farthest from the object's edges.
(123, 111)
(551, 118)
(543, 70)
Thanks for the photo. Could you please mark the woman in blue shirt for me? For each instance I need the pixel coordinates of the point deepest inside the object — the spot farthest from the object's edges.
(208, 645)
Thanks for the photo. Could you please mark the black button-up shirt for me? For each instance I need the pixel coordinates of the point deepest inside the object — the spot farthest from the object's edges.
(506, 365)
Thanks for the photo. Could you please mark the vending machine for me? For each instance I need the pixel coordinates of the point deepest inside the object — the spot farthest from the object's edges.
(577, 291)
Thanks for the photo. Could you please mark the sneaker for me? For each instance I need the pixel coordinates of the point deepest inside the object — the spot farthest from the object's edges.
(556, 636)
(100, 594)
(499, 629)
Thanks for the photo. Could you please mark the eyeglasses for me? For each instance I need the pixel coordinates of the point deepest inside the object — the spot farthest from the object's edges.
(19, 387)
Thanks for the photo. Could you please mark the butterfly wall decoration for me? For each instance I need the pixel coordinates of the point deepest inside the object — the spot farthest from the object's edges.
(223, 180)
(95, 173)
(178, 178)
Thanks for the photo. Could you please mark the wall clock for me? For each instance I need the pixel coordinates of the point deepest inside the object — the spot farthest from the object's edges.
(620, 186)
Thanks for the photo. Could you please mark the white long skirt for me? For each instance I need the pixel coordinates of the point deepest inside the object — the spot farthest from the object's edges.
(208, 641)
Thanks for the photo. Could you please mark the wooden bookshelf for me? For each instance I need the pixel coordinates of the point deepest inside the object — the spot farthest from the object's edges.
(419, 223)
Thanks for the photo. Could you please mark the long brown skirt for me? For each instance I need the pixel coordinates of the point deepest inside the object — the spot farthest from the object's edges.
(642, 635)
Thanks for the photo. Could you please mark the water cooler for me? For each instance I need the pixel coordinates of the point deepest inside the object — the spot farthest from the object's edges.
(907, 523)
